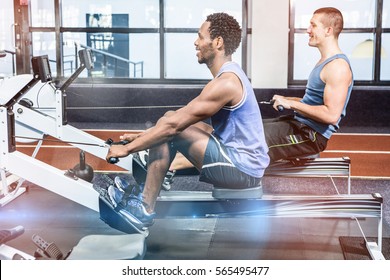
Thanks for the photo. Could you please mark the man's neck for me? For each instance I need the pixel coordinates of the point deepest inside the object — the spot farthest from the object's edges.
(218, 63)
(329, 50)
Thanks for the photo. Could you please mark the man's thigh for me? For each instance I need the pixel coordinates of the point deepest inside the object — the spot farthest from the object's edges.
(192, 143)
(219, 170)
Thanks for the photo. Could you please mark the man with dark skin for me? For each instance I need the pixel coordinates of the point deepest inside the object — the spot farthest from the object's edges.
(229, 153)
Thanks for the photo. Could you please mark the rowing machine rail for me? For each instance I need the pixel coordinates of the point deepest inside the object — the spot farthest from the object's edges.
(183, 204)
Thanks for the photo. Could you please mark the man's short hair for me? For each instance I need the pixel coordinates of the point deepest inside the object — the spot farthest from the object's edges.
(333, 18)
(226, 26)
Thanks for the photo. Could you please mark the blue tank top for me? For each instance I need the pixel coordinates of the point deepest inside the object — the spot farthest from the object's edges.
(240, 128)
(314, 95)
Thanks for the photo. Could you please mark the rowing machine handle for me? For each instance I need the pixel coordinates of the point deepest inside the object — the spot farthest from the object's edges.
(272, 101)
(111, 142)
(114, 160)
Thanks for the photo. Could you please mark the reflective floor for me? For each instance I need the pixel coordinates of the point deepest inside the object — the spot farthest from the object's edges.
(64, 222)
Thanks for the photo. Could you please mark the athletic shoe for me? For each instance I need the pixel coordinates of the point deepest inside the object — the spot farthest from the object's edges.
(124, 186)
(121, 183)
(132, 208)
(123, 190)
(168, 180)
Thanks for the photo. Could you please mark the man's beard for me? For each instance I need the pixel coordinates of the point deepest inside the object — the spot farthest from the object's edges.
(210, 56)
(209, 61)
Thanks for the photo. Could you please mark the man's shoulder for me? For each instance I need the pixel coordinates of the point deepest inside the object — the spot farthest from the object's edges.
(338, 63)
(228, 82)
(338, 69)
(226, 88)
(339, 60)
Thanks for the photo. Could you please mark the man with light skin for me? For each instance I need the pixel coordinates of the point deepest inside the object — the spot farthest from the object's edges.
(230, 153)
(317, 115)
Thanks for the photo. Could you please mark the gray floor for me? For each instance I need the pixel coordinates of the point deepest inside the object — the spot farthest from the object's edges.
(64, 222)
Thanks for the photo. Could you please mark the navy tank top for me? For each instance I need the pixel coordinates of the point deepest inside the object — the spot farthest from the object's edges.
(314, 95)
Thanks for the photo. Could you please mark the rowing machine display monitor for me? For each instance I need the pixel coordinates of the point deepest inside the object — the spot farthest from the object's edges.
(86, 58)
(85, 61)
(41, 68)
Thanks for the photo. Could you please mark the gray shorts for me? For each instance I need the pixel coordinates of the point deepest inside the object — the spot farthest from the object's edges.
(219, 170)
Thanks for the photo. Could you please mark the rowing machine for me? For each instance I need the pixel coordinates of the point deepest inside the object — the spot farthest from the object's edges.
(312, 167)
(42, 111)
(249, 203)
(19, 164)
(187, 204)
(90, 247)
(37, 172)
(10, 253)
(31, 108)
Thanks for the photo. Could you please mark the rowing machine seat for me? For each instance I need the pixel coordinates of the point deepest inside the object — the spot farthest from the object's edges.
(247, 193)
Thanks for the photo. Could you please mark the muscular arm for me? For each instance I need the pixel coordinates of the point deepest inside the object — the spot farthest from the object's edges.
(224, 90)
(337, 77)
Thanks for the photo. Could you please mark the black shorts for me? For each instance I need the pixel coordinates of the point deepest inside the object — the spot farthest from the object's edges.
(288, 138)
(219, 170)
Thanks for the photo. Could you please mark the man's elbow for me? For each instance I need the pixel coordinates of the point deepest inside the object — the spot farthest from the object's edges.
(333, 120)
(169, 113)
(167, 125)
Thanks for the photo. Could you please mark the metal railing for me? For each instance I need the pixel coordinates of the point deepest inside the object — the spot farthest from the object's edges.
(137, 67)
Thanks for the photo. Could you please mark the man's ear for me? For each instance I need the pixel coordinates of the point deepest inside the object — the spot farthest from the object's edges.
(329, 31)
(219, 42)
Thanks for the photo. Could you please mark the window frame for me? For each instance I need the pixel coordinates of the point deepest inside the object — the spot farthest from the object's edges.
(59, 30)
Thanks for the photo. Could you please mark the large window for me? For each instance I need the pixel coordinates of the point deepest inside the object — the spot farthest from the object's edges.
(182, 21)
(365, 39)
(385, 52)
(149, 39)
